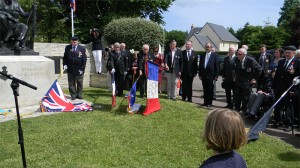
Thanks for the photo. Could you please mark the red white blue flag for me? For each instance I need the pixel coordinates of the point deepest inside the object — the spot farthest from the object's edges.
(73, 4)
(152, 104)
(56, 101)
(113, 94)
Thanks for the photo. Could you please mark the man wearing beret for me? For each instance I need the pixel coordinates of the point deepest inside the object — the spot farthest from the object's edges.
(286, 71)
(74, 61)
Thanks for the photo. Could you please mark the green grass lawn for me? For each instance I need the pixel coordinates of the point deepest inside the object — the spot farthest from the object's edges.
(114, 138)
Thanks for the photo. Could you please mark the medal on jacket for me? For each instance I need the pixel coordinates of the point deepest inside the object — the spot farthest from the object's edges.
(291, 68)
(79, 54)
(267, 61)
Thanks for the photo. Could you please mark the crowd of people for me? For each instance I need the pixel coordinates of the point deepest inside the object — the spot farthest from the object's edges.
(250, 82)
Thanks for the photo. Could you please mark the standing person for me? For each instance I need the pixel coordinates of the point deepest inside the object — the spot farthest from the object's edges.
(208, 73)
(133, 73)
(278, 52)
(286, 71)
(144, 56)
(97, 49)
(247, 71)
(224, 143)
(125, 53)
(264, 60)
(229, 76)
(120, 67)
(189, 71)
(108, 64)
(159, 60)
(74, 61)
(173, 68)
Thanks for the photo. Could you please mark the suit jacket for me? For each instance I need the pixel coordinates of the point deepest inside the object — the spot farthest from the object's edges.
(228, 69)
(189, 66)
(252, 70)
(283, 78)
(142, 60)
(212, 68)
(177, 61)
(127, 56)
(75, 60)
(120, 63)
(266, 63)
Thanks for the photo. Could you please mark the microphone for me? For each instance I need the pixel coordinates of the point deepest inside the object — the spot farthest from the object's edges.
(296, 80)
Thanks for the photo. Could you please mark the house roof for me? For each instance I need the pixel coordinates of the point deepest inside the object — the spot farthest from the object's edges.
(193, 31)
(204, 39)
(222, 33)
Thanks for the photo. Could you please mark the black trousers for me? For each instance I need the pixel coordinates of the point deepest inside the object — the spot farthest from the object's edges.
(187, 88)
(142, 85)
(229, 87)
(208, 90)
(120, 82)
(287, 104)
(242, 95)
(75, 85)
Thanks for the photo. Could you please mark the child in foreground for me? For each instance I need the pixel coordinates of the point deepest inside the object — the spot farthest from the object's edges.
(224, 132)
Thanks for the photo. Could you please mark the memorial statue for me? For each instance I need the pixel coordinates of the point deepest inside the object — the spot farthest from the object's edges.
(12, 32)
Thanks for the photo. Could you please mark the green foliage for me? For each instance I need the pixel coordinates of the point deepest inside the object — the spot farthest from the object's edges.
(254, 36)
(179, 36)
(289, 21)
(134, 32)
(104, 137)
(54, 18)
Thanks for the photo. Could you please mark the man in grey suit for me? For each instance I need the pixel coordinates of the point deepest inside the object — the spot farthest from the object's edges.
(173, 59)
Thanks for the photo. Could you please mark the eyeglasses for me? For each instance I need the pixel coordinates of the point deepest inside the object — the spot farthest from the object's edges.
(240, 54)
(155, 51)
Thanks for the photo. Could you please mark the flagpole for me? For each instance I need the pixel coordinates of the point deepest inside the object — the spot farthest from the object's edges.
(72, 18)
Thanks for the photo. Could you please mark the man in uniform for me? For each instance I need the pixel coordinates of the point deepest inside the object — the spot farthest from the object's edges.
(74, 61)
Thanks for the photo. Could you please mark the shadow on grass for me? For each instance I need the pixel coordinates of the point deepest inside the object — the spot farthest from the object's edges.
(289, 156)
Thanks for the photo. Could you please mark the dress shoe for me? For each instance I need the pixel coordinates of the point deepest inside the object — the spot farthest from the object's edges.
(214, 98)
(190, 100)
(79, 97)
(204, 104)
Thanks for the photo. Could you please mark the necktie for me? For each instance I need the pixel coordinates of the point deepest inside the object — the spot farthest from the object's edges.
(189, 55)
(206, 59)
(74, 48)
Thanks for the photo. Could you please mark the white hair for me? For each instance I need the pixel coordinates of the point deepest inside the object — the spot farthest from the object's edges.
(146, 46)
(245, 46)
(243, 50)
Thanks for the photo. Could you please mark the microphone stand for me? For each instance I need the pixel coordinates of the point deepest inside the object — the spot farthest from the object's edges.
(15, 87)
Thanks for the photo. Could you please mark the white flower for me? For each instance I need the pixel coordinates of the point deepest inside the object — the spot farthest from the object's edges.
(131, 51)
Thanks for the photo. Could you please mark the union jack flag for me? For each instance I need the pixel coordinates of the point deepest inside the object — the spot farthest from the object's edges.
(56, 101)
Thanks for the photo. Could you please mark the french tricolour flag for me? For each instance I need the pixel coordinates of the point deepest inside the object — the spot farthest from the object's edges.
(152, 104)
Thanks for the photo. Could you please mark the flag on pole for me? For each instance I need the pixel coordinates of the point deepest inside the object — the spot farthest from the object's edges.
(131, 95)
(113, 94)
(73, 5)
(55, 101)
(152, 104)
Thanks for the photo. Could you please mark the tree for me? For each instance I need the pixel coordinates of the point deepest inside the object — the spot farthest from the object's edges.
(289, 21)
(179, 36)
(55, 15)
(134, 32)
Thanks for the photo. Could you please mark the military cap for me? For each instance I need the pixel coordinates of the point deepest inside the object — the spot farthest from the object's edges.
(74, 38)
(290, 47)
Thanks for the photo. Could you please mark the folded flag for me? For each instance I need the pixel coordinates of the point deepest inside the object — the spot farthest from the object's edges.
(113, 94)
(56, 101)
(152, 104)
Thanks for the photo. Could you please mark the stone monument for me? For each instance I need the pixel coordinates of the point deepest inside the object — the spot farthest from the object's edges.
(18, 59)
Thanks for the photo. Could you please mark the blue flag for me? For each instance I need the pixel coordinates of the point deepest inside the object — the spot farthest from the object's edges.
(132, 95)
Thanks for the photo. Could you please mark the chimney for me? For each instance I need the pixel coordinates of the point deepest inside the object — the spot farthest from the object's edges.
(192, 27)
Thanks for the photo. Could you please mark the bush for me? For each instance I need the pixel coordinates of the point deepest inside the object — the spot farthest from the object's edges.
(134, 32)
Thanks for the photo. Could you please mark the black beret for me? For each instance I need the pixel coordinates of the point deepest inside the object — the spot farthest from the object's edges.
(290, 47)
(74, 38)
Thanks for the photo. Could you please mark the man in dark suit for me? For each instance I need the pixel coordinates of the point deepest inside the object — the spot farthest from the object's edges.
(247, 71)
(208, 73)
(119, 68)
(173, 62)
(128, 58)
(264, 60)
(189, 71)
(74, 61)
(286, 71)
(229, 76)
(143, 57)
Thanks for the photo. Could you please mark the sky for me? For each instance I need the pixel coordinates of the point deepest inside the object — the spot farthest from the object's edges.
(228, 13)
